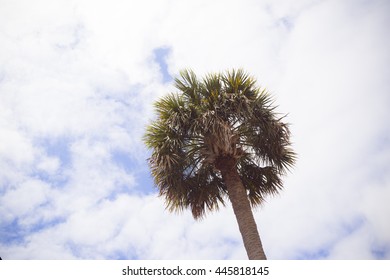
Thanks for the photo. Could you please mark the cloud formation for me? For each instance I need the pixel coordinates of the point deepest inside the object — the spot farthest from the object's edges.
(77, 84)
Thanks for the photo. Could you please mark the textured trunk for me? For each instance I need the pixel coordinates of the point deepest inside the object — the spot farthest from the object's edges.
(242, 209)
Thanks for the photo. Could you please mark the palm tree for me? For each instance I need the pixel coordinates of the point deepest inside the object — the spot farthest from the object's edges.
(219, 137)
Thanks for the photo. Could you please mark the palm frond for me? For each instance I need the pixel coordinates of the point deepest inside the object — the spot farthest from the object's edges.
(222, 115)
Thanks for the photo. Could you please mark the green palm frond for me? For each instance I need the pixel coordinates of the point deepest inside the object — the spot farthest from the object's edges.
(223, 114)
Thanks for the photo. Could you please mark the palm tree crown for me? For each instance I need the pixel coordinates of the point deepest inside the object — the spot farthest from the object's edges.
(212, 125)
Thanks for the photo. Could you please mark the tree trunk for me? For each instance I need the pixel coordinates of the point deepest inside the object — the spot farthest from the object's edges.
(242, 209)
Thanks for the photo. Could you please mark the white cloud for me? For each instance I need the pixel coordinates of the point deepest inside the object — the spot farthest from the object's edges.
(49, 165)
(77, 83)
(15, 145)
(24, 199)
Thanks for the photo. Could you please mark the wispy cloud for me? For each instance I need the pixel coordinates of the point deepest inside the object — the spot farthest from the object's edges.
(77, 84)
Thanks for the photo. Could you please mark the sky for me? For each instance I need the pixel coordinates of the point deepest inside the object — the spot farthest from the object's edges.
(77, 84)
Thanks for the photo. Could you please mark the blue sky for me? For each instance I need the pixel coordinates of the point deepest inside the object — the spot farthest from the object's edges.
(77, 84)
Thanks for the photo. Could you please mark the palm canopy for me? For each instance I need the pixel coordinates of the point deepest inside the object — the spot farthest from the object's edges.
(208, 122)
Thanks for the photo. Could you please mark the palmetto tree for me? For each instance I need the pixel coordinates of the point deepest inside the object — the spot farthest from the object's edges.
(215, 138)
